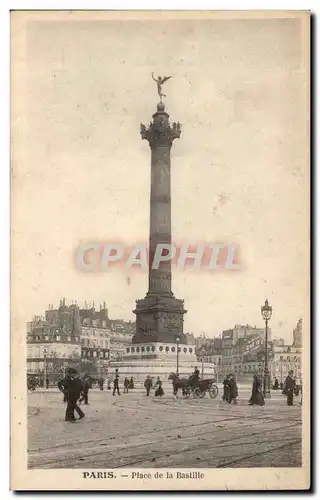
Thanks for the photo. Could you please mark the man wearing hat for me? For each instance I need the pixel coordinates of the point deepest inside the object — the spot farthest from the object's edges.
(71, 387)
(289, 386)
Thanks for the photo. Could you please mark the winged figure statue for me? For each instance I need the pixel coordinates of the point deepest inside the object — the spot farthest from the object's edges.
(160, 81)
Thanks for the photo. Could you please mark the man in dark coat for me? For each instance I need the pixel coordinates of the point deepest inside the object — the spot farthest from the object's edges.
(85, 390)
(194, 378)
(289, 386)
(126, 385)
(233, 390)
(196, 375)
(116, 383)
(148, 384)
(71, 387)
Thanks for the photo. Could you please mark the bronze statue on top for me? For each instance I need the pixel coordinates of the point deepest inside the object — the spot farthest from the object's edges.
(160, 81)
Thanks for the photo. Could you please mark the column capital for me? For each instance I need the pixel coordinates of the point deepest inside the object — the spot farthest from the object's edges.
(160, 132)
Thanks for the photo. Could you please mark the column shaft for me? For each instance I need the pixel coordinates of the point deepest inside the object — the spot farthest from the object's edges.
(160, 217)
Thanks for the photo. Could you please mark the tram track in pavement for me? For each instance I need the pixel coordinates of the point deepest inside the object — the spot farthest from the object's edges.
(176, 407)
(167, 429)
(225, 443)
(151, 456)
(196, 409)
(253, 455)
(125, 436)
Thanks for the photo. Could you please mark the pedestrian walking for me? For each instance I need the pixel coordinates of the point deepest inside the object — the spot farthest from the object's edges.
(116, 383)
(47, 383)
(158, 386)
(126, 385)
(233, 390)
(289, 387)
(71, 387)
(256, 395)
(131, 384)
(148, 384)
(101, 383)
(85, 390)
(225, 395)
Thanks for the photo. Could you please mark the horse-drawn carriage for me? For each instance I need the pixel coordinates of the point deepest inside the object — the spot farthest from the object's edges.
(197, 388)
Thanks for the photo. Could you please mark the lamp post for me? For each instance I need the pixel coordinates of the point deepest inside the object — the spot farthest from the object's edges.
(266, 312)
(202, 367)
(99, 362)
(177, 342)
(44, 367)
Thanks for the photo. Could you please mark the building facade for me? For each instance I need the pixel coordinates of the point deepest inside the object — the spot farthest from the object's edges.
(286, 358)
(51, 347)
(241, 350)
(82, 338)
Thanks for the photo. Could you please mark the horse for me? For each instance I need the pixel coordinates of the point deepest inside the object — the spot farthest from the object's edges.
(179, 383)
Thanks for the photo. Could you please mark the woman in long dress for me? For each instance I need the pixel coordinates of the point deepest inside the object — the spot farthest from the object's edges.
(256, 395)
(225, 396)
(232, 390)
(159, 390)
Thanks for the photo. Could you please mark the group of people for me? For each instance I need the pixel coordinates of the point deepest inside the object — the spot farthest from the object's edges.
(289, 389)
(148, 385)
(127, 384)
(230, 389)
(76, 389)
(34, 382)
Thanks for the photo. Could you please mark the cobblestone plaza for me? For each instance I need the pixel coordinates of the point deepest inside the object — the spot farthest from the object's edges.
(132, 430)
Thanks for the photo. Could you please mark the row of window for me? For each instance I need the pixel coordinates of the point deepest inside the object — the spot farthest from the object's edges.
(161, 349)
(95, 354)
(238, 359)
(51, 338)
(286, 367)
(104, 343)
(289, 358)
(96, 333)
(52, 350)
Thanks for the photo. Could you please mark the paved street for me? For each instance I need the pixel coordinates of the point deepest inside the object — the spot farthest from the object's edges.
(132, 430)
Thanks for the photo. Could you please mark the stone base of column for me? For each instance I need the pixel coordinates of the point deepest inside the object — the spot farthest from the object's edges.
(159, 319)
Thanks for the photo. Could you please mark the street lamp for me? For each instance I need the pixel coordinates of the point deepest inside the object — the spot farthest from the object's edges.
(177, 342)
(202, 367)
(44, 367)
(266, 312)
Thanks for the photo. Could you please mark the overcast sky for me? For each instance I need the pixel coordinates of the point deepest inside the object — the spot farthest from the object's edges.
(239, 170)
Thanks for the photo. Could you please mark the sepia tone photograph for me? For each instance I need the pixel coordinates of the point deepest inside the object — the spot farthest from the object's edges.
(160, 329)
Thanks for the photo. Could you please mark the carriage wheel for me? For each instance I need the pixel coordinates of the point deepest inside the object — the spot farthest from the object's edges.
(213, 391)
(197, 392)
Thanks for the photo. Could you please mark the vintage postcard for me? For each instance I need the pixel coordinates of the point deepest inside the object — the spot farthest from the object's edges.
(160, 329)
